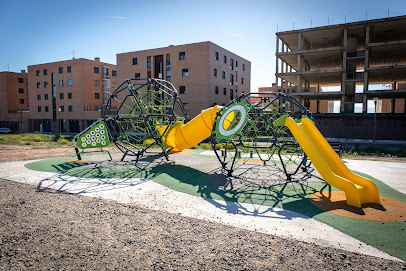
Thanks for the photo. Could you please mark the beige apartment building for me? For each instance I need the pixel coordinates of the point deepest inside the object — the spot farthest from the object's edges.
(358, 67)
(67, 96)
(203, 73)
(14, 100)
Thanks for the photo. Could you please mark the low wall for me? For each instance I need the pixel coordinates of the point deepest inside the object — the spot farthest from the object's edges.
(388, 126)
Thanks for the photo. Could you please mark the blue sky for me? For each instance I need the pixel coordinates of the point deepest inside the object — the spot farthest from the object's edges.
(35, 32)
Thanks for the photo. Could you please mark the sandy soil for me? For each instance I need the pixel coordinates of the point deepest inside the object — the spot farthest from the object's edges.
(45, 230)
(36, 151)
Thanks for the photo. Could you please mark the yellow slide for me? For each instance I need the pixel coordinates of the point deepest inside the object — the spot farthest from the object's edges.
(358, 190)
(183, 136)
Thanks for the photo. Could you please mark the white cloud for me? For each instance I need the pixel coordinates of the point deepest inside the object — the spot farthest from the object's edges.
(115, 17)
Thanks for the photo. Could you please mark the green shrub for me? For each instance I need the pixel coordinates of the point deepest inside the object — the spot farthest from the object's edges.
(63, 141)
(148, 141)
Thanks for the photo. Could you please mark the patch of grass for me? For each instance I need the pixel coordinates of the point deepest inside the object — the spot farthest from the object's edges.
(30, 139)
(379, 151)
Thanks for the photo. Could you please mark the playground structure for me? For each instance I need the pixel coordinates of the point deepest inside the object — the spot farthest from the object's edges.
(273, 128)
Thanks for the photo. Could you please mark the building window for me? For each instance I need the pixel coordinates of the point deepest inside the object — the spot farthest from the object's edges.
(60, 69)
(185, 72)
(20, 101)
(46, 108)
(217, 56)
(20, 90)
(137, 76)
(96, 83)
(243, 67)
(182, 56)
(45, 84)
(168, 60)
(38, 73)
(231, 94)
(225, 59)
(20, 80)
(61, 96)
(39, 109)
(69, 82)
(224, 91)
(236, 67)
(113, 73)
(97, 96)
(215, 72)
(96, 70)
(135, 61)
(61, 83)
(231, 79)
(182, 89)
(70, 108)
(231, 64)
(242, 81)
(39, 97)
(186, 106)
(38, 85)
(216, 89)
(69, 95)
(45, 72)
(168, 75)
(114, 86)
(148, 61)
(223, 75)
(46, 96)
(62, 108)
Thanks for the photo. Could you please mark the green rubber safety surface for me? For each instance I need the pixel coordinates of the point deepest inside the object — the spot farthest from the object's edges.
(389, 237)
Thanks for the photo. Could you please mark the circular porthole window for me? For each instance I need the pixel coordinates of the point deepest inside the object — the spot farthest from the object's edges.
(232, 121)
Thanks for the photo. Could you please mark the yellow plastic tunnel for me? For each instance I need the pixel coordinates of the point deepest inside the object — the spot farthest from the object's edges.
(184, 136)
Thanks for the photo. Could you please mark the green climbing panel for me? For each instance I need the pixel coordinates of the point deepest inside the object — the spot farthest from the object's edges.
(94, 137)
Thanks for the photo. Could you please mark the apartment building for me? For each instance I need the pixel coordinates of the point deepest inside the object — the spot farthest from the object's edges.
(356, 69)
(204, 73)
(14, 100)
(67, 96)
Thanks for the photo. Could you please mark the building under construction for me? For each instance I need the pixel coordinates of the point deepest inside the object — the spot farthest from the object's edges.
(346, 74)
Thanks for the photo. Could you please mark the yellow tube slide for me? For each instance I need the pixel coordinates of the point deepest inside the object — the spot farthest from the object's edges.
(358, 190)
(184, 136)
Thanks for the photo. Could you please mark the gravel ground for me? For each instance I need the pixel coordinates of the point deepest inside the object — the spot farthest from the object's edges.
(54, 231)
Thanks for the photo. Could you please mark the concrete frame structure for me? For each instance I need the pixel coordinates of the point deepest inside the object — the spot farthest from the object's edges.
(14, 100)
(360, 61)
(204, 73)
(67, 96)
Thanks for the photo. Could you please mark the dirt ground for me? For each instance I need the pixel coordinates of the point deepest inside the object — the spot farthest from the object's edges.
(36, 151)
(46, 230)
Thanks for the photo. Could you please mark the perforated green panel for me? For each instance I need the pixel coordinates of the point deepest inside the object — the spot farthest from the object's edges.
(95, 137)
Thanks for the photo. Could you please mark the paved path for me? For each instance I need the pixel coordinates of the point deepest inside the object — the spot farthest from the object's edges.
(259, 218)
(391, 173)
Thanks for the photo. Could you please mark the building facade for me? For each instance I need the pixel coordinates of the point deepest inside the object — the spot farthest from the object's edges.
(14, 100)
(204, 73)
(67, 96)
(359, 68)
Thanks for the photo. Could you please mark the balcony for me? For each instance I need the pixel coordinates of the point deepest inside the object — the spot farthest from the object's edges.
(106, 76)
